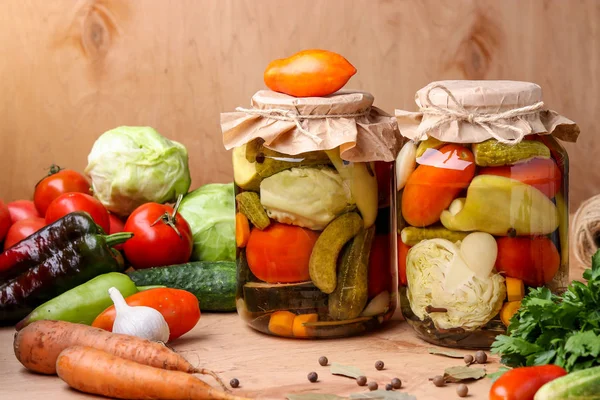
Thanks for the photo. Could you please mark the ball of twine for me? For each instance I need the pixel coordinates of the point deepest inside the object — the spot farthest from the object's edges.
(586, 229)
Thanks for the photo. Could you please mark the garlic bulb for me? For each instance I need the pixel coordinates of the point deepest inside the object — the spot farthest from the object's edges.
(140, 321)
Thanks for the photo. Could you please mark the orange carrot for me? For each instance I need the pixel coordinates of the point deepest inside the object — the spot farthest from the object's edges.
(38, 345)
(94, 371)
(242, 230)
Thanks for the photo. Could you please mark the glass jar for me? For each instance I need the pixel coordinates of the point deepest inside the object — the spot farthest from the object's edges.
(481, 219)
(316, 242)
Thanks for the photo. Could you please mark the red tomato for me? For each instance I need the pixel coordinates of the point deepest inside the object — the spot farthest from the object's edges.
(116, 226)
(69, 202)
(522, 383)
(533, 260)
(22, 229)
(542, 174)
(157, 244)
(379, 266)
(59, 181)
(22, 209)
(5, 221)
(179, 307)
(402, 252)
(280, 253)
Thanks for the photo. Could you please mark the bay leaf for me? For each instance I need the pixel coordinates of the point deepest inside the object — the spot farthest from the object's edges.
(463, 373)
(345, 370)
(451, 354)
(314, 396)
(383, 395)
(495, 375)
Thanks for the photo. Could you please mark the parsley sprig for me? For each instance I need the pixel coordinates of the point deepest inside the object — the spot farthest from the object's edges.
(556, 329)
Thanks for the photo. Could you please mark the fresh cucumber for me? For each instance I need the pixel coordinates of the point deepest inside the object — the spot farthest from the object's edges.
(212, 282)
(578, 385)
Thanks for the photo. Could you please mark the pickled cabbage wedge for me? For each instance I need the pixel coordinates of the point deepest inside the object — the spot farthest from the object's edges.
(438, 276)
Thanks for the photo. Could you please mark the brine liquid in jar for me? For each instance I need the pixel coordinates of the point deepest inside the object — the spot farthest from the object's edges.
(316, 243)
(480, 224)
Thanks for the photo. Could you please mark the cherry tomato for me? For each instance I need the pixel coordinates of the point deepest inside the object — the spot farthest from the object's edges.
(69, 202)
(533, 260)
(522, 383)
(402, 252)
(5, 221)
(22, 209)
(22, 229)
(58, 182)
(542, 174)
(379, 266)
(280, 253)
(179, 307)
(156, 241)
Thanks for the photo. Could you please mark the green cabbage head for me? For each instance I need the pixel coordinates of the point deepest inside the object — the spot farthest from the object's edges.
(210, 212)
(471, 301)
(133, 165)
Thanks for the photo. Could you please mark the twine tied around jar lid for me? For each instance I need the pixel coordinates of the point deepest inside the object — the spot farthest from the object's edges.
(281, 114)
(484, 120)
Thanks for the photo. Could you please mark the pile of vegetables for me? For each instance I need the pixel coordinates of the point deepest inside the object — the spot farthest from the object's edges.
(478, 224)
(81, 245)
(313, 231)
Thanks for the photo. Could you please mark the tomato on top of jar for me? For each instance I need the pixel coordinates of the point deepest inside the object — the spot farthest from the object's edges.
(483, 207)
(315, 202)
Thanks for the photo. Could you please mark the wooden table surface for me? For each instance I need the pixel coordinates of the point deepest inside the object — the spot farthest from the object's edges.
(270, 368)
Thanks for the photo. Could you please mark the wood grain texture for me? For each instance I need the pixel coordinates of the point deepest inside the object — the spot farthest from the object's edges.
(71, 70)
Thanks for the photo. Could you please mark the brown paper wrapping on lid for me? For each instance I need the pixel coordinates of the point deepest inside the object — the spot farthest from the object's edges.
(463, 111)
(292, 125)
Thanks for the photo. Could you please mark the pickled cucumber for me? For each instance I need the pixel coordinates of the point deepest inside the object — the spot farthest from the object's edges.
(492, 153)
(351, 292)
(263, 297)
(429, 143)
(244, 172)
(363, 185)
(412, 235)
(253, 147)
(249, 205)
(323, 260)
(270, 162)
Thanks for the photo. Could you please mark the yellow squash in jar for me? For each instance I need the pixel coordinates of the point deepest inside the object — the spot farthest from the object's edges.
(502, 206)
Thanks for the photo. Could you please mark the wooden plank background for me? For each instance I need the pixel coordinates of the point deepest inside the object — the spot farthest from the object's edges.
(70, 70)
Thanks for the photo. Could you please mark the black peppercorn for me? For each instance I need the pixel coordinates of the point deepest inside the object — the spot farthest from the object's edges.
(313, 377)
(481, 357)
(396, 383)
(388, 386)
(462, 390)
(379, 365)
(323, 361)
(373, 386)
(361, 380)
(234, 383)
(468, 359)
(438, 381)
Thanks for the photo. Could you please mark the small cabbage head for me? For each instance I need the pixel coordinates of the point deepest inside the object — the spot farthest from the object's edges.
(133, 165)
(210, 212)
(307, 197)
(471, 301)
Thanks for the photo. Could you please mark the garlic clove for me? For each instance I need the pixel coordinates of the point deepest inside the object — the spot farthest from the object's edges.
(140, 321)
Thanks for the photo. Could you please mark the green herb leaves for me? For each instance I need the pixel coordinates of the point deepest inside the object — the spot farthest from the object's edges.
(550, 329)
(459, 374)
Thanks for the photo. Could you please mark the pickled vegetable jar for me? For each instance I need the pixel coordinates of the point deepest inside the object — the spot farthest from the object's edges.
(315, 213)
(482, 207)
